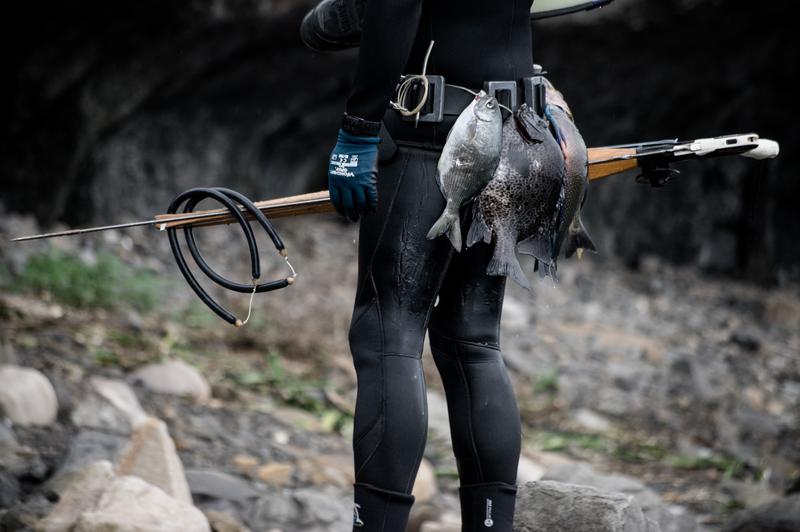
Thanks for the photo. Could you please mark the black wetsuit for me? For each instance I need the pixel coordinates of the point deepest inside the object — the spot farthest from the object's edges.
(401, 273)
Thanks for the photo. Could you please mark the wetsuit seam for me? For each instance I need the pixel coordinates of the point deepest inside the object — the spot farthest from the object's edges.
(489, 345)
(405, 355)
(463, 375)
(412, 475)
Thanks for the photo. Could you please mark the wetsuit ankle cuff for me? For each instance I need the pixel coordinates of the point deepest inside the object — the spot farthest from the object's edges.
(380, 510)
(487, 507)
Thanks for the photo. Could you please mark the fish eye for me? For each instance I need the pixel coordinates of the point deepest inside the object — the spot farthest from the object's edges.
(490, 104)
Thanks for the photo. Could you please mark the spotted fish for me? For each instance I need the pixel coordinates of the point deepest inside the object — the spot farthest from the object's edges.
(468, 160)
(519, 207)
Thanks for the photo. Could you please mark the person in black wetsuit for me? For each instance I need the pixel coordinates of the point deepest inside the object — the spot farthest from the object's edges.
(401, 273)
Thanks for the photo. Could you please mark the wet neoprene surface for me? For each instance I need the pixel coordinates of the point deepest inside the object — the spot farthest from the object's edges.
(476, 40)
(400, 275)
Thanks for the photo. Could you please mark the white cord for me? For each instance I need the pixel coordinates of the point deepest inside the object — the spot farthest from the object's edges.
(404, 89)
(407, 84)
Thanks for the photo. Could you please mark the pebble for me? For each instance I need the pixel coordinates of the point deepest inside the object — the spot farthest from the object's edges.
(26, 396)
(276, 473)
(246, 464)
(223, 522)
(218, 485)
(174, 378)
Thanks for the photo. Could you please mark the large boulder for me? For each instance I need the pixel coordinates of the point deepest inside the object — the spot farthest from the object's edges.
(109, 405)
(174, 378)
(546, 506)
(669, 517)
(82, 495)
(778, 516)
(132, 505)
(151, 456)
(26, 396)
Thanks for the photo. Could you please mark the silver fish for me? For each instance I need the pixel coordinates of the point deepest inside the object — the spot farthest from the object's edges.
(468, 160)
(571, 232)
(518, 207)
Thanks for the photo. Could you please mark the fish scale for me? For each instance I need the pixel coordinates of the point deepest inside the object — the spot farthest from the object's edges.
(518, 207)
(467, 163)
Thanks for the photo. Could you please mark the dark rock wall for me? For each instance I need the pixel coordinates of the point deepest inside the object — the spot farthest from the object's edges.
(115, 107)
(654, 70)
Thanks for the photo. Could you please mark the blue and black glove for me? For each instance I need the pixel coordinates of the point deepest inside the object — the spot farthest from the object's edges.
(352, 174)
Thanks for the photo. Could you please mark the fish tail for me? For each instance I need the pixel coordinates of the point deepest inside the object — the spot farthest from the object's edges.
(449, 223)
(478, 230)
(578, 239)
(505, 262)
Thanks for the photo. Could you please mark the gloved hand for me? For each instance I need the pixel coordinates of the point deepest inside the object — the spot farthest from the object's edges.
(352, 173)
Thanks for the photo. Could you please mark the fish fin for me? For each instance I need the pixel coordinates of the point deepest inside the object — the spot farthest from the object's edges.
(530, 125)
(549, 269)
(579, 240)
(505, 262)
(536, 247)
(448, 223)
(478, 230)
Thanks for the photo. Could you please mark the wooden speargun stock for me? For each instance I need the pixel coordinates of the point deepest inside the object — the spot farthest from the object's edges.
(652, 157)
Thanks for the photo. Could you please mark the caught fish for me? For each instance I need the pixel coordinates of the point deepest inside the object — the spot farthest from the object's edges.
(468, 160)
(519, 206)
(571, 233)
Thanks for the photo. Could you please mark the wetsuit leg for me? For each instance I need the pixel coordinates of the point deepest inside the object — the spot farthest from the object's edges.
(400, 272)
(484, 420)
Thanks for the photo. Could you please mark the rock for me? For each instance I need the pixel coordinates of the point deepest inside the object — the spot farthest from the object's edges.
(174, 378)
(9, 489)
(778, 516)
(438, 419)
(276, 473)
(26, 515)
(26, 396)
(670, 518)
(422, 513)
(590, 420)
(7, 437)
(82, 495)
(151, 456)
(446, 523)
(425, 485)
(748, 494)
(327, 469)
(546, 506)
(8, 355)
(246, 464)
(132, 505)
(87, 447)
(109, 405)
(528, 470)
(222, 522)
(317, 509)
(217, 485)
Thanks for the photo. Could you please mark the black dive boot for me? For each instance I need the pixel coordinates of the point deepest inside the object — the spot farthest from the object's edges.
(379, 510)
(333, 25)
(487, 507)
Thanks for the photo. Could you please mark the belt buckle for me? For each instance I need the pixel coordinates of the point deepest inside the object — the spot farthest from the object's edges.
(436, 100)
(492, 88)
(535, 93)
